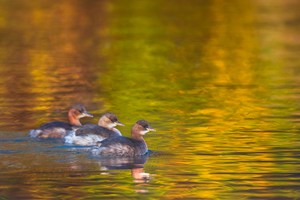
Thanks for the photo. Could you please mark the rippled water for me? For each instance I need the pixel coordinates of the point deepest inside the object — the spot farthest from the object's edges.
(218, 80)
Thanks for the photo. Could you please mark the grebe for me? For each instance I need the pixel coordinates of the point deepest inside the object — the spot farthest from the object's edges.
(123, 146)
(59, 129)
(90, 134)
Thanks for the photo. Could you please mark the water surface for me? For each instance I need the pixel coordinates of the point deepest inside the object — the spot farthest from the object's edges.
(219, 80)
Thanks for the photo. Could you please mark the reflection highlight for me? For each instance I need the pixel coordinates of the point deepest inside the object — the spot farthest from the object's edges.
(219, 79)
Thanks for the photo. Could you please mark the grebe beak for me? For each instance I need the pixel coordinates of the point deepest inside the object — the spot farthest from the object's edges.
(86, 114)
(117, 123)
(151, 129)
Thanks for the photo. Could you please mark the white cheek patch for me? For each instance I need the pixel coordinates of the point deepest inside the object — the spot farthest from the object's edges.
(144, 132)
(81, 115)
(111, 125)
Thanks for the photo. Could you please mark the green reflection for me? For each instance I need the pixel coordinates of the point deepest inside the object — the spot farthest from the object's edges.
(206, 80)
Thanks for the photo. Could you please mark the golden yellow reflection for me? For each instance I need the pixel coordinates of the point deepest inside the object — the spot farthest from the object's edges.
(218, 80)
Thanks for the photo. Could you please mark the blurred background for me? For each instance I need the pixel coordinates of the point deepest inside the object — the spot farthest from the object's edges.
(219, 80)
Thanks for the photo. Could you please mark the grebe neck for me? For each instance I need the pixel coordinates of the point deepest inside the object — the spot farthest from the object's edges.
(103, 121)
(73, 119)
(135, 134)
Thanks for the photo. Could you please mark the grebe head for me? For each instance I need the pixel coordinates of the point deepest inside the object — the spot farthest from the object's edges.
(109, 120)
(141, 127)
(79, 111)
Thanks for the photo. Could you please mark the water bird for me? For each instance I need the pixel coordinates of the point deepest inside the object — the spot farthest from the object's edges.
(58, 129)
(91, 134)
(124, 146)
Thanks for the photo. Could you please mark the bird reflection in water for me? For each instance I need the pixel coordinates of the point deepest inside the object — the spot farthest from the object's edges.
(135, 164)
(108, 164)
(140, 178)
